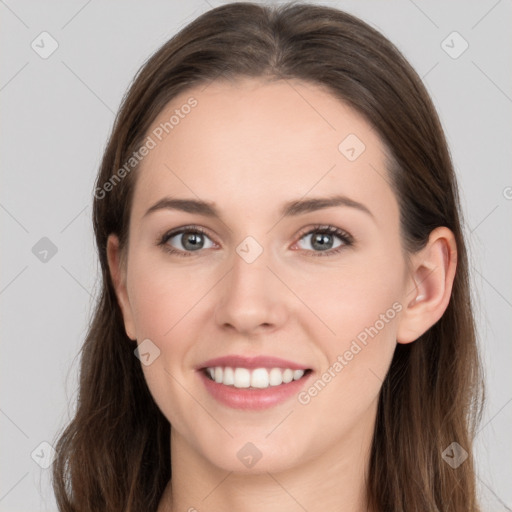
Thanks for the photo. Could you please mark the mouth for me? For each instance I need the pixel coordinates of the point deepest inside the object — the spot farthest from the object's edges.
(253, 378)
(261, 382)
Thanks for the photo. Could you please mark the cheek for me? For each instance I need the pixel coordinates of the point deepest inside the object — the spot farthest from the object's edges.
(356, 358)
(359, 307)
(163, 300)
(353, 296)
(163, 295)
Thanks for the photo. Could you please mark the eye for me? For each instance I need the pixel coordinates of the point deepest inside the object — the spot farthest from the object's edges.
(321, 240)
(186, 240)
(325, 240)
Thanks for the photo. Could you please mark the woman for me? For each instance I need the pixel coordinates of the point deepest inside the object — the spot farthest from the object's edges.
(285, 320)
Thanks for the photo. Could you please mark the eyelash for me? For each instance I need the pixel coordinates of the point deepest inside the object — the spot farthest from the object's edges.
(345, 237)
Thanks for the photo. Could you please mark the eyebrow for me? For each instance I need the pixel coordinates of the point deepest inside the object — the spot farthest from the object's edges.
(289, 209)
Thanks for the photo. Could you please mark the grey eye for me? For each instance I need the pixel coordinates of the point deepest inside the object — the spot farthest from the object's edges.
(190, 241)
(320, 241)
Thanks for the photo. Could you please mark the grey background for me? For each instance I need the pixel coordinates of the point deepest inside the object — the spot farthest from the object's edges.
(56, 115)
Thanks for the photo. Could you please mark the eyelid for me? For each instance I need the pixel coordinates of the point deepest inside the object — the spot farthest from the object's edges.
(343, 235)
(329, 228)
(183, 229)
(346, 238)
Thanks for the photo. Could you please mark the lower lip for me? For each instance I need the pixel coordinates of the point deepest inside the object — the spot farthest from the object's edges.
(251, 398)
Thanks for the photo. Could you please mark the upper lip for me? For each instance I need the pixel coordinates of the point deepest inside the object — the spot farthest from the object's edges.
(237, 361)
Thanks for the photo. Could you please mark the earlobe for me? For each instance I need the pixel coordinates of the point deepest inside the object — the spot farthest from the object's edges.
(430, 286)
(118, 275)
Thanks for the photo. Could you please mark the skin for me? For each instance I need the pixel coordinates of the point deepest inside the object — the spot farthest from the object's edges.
(250, 146)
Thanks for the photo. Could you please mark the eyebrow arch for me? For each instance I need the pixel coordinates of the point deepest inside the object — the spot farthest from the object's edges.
(289, 209)
(301, 206)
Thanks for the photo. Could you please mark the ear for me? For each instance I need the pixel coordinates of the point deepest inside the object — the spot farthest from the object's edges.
(118, 273)
(430, 285)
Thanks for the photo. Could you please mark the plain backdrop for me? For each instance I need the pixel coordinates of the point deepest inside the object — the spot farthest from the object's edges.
(56, 114)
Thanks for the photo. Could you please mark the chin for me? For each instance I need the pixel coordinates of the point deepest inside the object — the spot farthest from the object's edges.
(256, 456)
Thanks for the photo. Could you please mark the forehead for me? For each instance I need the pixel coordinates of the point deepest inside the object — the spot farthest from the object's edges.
(248, 141)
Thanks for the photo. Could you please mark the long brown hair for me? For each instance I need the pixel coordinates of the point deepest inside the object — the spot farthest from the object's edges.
(114, 454)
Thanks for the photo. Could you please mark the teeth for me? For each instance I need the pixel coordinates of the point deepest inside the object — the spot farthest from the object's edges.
(259, 378)
(297, 374)
(242, 378)
(229, 377)
(275, 377)
(287, 375)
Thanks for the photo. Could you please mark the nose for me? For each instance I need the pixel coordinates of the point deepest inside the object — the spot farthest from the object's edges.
(251, 298)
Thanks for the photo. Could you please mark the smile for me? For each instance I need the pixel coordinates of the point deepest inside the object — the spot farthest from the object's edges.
(257, 378)
(253, 382)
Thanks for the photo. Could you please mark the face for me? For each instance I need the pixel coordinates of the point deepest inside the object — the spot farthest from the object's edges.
(247, 271)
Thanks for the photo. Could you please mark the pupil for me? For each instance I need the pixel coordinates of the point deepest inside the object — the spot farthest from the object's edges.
(191, 241)
(322, 241)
